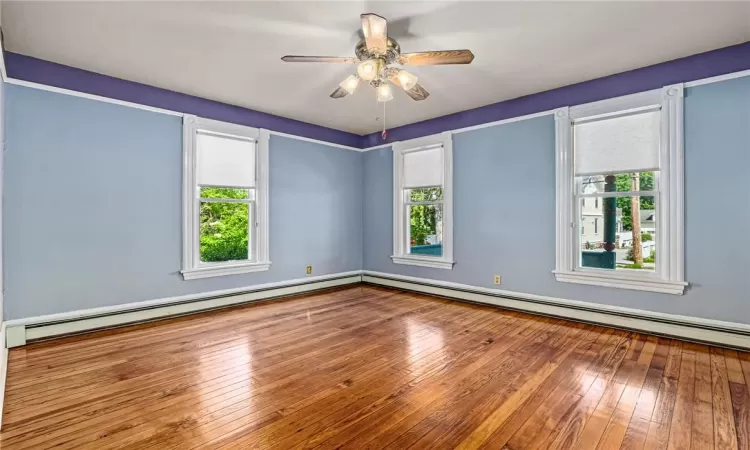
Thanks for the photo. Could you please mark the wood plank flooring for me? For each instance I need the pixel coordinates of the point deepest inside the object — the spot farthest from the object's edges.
(366, 368)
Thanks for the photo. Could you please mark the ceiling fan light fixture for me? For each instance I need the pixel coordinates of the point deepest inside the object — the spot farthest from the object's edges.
(370, 69)
(350, 84)
(384, 93)
(407, 80)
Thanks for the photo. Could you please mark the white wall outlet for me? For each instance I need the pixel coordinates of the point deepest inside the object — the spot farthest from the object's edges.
(498, 279)
(308, 270)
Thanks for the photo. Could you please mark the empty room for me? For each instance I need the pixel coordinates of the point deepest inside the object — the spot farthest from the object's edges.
(370, 225)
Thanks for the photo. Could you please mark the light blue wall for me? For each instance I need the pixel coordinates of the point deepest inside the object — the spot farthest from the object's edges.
(504, 210)
(92, 208)
(92, 211)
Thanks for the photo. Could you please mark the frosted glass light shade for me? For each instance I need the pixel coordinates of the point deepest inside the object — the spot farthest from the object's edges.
(618, 145)
(225, 161)
(369, 69)
(406, 80)
(384, 93)
(350, 84)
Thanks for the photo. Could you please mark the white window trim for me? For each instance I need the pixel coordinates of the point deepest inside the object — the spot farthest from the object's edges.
(191, 268)
(400, 254)
(670, 276)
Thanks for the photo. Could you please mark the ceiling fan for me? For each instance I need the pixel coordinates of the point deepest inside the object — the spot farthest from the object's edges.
(375, 53)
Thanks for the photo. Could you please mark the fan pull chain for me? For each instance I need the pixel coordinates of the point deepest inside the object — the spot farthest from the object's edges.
(384, 134)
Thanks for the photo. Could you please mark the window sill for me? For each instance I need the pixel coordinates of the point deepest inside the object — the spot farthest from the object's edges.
(435, 263)
(623, 282)
(221, 270)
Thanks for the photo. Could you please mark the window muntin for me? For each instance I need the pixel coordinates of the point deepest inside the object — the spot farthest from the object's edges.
(225, 189)
(651, 148)
(422, 217)
(612, 155)
(422, 198)
(225, 199)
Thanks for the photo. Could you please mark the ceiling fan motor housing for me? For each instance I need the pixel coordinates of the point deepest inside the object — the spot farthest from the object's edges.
(390, 56)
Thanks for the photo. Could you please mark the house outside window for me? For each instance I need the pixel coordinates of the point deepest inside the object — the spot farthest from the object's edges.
(627, 154)
(225, 199)
(423, 202)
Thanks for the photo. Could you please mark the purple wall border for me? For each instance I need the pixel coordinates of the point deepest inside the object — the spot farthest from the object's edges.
(717, 62)
(704, 65)
(40, 71)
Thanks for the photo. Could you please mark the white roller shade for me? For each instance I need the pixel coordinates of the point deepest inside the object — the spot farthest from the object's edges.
(423, 168)
(621, 144)
(225, 161)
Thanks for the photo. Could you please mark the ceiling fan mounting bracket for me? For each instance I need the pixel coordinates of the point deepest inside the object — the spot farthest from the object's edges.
(392, 52)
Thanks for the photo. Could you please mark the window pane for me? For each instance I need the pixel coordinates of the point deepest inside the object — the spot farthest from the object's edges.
(426, 194)
(622, 182)
(239, 194)
(224, 231)
(425, 229)
(609, 233)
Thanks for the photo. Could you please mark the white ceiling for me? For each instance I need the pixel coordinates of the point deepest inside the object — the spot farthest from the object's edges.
(229, 51)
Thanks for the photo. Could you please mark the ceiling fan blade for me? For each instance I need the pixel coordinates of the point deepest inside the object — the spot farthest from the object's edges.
(418, 92)
(339, 93)
(437, 57)
(375, 30)
(320, 59)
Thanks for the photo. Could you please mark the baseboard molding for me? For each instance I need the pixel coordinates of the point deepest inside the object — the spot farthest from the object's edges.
(706, 331)
(19, 332)
(3, 371)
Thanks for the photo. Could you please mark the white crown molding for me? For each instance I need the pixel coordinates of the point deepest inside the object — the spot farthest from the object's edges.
(44, 87)
(616, 104)
(314, 141)
(716, 79)
(472, 128)
(168, 112)
(731, 334)
(99, 98)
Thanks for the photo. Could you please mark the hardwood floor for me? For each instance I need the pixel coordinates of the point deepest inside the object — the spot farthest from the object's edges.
(365, 367)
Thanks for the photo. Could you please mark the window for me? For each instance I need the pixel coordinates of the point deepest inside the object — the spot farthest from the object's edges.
(627, 154)
(225, 204)
(423, 207)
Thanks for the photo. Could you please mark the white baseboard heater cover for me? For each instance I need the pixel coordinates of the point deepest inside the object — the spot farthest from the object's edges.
(45, 327)
(704, 331)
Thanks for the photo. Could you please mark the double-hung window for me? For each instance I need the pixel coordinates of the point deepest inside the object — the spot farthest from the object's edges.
(620, 167)
(423, 202)
(225, 204)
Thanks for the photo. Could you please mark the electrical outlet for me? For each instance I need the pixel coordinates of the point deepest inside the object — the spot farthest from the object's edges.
(498, 279)
(308, 269)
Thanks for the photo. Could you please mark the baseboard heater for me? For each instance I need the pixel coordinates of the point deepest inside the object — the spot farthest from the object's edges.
(704, 331)
(21, 332)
